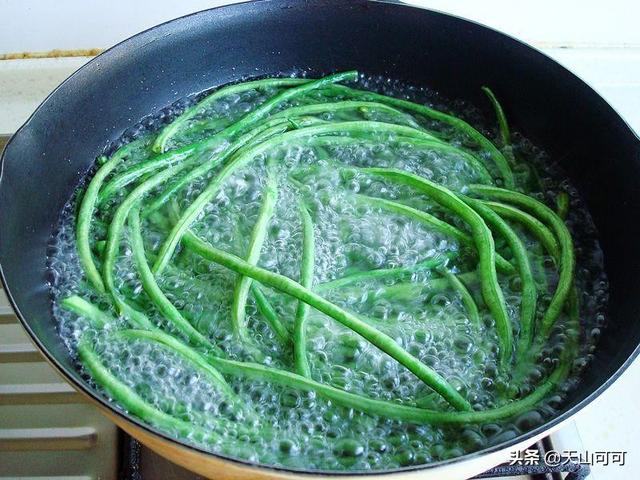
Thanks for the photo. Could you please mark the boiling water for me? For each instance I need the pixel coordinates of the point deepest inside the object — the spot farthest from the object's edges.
(290, 428)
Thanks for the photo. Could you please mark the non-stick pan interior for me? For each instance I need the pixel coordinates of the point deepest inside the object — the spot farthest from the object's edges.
(46, 159)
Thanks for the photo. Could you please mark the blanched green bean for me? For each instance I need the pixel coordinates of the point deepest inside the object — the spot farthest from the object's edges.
(246, 155)
(416, 139)
(529, 292)
(176, 346)
(168, 310)
(562, 202)
(567, 256)
(256, 136)
(170, 130)
(133, 402)
(349, 320)
(88, 310)
(389, 409)
(189, 154)
(465, 295)
(269, 313)
(502, 118)
(428, 219)
(306, 280)
(114, 234)
(457, 123)
(85, 214)
(382, 273)
(483, 240)
(258, 236)
(535, 226)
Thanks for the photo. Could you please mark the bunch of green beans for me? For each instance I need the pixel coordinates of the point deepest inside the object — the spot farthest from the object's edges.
(483, 213)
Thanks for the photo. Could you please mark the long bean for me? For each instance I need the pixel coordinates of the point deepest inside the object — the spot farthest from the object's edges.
(168, 310)
(529, 291)
(483, 240)
(382, 273)
(176, 346)
(562, 202)
(313, 109)
(269, 313)
(535, 226)
(265, 108)
(409, 291)
(256, 241)
(247, 154)
(417, 140)
(133, 402)
(567, 256)
(256, 136)
(190, 154)
(170, 130)
(428, 219)
(85, 214)
(349, 320)
(88, 310)
(457, 123)
(114, 235)
(306, 280)
(505, 135)
(465, 295)
(388, 409)
(333, 107)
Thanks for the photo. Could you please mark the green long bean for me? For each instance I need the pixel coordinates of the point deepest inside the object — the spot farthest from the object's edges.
(503, 125)
(306, 280)
(562, 202)
(256, 136)
(170, 130)
(349, 320)
(168, 310)
(88, 310)
(287, 115)
(176, 346)
(114, 235)
(247, 154)
(417, 140)
(382, 273)
(465, 295)
(428, 219)
(459, 124)
(567, 255)
(269, 313)
(535, 226)
(529, 291)
(491, 291)
(333, 107)
(122, 180)
(256, 241)
(409, 291)
(388, 409)
(133, 402)
(85, 214)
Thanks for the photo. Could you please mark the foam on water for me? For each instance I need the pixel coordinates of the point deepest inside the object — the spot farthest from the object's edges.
(301, 429)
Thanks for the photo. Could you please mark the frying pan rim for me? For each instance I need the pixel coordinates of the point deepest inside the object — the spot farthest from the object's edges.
(103, 401)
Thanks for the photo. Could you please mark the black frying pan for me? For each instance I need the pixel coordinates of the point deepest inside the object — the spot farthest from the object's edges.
(45, 160)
